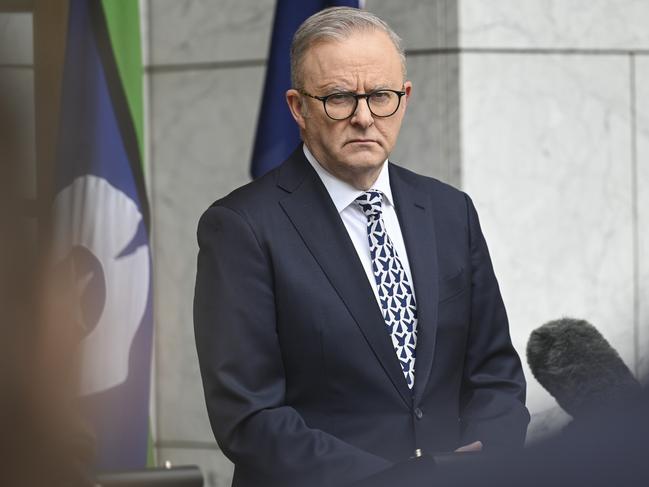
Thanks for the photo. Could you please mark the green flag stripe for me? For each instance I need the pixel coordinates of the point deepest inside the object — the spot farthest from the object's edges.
(123, 21)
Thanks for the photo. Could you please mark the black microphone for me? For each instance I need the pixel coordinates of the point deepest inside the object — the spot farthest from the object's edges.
(576, 364)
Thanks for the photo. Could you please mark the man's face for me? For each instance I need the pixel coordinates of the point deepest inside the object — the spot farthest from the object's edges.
(355, 148)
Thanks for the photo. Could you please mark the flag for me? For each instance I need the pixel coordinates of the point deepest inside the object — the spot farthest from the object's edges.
(277, 133)
(102, 222)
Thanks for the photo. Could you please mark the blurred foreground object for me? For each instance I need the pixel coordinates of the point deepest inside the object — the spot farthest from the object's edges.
(607, 448)
(43, 440)
(576, 364)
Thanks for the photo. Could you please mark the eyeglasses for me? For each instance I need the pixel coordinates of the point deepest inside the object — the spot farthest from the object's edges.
(342, 105)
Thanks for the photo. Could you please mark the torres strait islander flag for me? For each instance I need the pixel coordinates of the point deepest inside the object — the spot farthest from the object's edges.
(102, 222)
(277, 132)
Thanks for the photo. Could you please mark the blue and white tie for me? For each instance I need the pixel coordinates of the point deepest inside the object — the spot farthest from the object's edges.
(396, 298)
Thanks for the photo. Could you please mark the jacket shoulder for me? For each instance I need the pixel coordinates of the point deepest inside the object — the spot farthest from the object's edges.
(437, 190)
(252, 197)
(259, 196)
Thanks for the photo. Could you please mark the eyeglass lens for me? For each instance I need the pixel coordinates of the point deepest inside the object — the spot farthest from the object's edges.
(381, 103)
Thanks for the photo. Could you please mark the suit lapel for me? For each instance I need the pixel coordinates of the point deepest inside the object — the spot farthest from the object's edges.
(417, 226)
(316, 219)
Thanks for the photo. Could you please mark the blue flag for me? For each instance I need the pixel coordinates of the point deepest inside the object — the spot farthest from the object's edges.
(101, 233)
(277, 132)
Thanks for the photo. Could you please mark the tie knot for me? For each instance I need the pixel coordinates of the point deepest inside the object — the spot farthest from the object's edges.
(371, 203)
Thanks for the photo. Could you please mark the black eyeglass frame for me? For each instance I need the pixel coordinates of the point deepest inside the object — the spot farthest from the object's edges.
(356, 97)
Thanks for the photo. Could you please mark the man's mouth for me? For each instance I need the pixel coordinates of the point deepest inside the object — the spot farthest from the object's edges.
(361, 141)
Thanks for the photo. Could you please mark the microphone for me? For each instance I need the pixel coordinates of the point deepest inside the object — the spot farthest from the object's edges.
(576, 364)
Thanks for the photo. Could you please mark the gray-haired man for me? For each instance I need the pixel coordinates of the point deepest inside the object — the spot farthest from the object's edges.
(346, 309)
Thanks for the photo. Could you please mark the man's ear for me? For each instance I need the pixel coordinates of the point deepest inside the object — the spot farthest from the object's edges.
(407, 87)
(294, 101)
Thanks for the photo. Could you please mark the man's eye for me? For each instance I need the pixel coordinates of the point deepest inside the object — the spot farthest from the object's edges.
(381, 96)
(339, 98)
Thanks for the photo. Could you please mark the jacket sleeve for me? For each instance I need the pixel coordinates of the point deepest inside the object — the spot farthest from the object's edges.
(242, 369)
(492, 400)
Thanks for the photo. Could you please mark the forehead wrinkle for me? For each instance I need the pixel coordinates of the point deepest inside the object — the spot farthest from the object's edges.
(367, 87)
(368, 79)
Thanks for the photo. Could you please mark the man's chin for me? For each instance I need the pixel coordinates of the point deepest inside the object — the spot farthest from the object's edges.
(368, 158)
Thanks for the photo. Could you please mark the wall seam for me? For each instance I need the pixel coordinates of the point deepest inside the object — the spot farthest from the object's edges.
(635, 215)
(148, 81)
(533, 50)
(203, 66)
(186, 444)
(261, 62)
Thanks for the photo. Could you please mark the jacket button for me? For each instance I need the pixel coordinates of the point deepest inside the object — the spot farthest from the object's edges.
(419, 413)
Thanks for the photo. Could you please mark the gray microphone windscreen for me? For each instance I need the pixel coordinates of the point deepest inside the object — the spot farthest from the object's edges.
(576, 364)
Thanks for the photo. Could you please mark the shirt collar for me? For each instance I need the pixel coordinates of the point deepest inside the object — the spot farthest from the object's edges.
(342, 193)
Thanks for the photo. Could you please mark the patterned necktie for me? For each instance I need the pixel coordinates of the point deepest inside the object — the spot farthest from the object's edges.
(395, 293)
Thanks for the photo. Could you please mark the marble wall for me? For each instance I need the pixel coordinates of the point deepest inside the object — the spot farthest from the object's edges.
(539, 109)
(555, 112)
(205, 70)
(554, 24)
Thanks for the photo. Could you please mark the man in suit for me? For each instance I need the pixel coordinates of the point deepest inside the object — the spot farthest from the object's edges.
(346, 310)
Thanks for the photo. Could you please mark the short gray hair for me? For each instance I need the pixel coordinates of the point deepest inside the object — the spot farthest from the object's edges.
(336, 23)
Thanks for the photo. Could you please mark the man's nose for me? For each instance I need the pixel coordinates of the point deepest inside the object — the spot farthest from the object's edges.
(362, 116)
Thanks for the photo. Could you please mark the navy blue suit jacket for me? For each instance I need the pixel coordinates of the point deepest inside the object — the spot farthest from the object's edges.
(302, 384)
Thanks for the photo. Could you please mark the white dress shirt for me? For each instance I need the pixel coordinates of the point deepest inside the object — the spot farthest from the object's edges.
(343, 195)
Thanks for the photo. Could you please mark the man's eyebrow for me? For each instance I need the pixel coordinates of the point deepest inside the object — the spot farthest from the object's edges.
(334, 88)
(330, 87)
(380, 87)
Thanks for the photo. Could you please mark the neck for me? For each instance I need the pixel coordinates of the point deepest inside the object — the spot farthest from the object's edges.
(362, 181)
